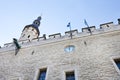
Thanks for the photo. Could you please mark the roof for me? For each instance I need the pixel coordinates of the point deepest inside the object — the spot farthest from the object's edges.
(33, 26)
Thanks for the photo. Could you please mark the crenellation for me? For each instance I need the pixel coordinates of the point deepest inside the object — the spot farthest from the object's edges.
(106, 25)
(44, 36)
(74, 32)
(8, 44)
(119, 21)
(41, 38)
(57, 35)
(35, 40)
(103, 28)
(4, 49)
(24, 41)
(92, 28)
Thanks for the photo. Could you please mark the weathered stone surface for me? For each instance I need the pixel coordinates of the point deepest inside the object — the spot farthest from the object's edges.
(91, 59)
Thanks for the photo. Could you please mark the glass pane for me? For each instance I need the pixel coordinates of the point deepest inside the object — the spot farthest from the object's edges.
(70, 76)
(70, 48)
(118, 64)
(42, 75)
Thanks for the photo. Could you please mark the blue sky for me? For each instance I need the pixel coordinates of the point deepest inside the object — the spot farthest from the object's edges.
(16, 14)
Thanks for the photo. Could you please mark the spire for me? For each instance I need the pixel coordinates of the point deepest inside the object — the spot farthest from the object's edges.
(36, 22)
(32, 32)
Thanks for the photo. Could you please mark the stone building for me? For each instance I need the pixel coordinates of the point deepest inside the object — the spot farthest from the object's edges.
(87, 56)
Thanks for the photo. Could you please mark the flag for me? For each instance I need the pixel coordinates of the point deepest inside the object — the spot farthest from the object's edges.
(68, 24)
(85, 22)
(70, 29)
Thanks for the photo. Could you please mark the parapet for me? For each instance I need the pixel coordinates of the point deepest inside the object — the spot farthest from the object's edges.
(73, 32)
(8, 44)
(92, 28)
(43, 37)
(57, 35)
(106, 27)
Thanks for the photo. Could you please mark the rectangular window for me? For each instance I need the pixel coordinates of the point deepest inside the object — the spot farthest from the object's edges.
(42, 74)
(70, 75)
(117, 61)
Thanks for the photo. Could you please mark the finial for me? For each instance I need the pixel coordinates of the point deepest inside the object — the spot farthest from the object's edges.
(37, 21)
(39, 18)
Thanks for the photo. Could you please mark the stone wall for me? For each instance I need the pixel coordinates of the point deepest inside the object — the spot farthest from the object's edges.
(92, 58)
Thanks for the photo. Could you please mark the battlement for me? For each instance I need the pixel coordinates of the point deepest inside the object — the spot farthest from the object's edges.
(92, 28)
(106, 27)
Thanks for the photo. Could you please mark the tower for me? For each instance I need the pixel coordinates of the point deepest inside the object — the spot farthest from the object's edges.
(31, 31)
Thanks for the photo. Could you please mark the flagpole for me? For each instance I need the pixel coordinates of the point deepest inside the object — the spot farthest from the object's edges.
(85, 22)
(70, 29)
(70, 32)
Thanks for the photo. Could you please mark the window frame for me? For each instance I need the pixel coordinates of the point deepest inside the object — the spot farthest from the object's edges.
(40, 71)
(114, 63)
(69, 48)
(37, 73)
(117, 61)
(69, 72)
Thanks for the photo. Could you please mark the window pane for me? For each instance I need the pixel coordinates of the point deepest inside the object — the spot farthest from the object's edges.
(42, 74)
(118, 64)
(70, 76)
(117, 61)
(69, 48)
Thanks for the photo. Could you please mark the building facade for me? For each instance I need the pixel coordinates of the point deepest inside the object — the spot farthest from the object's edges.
(87, 56)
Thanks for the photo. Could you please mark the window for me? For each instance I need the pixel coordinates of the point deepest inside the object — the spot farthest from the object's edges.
(42, 74)
(117, 61)
(70, 75)
(32, 29)
(28, 36)
(69, 48)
